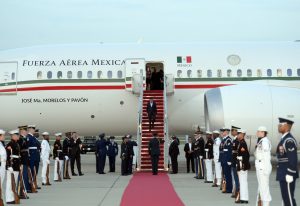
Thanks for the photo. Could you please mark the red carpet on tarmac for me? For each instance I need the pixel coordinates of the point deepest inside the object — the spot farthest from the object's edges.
(145, 189)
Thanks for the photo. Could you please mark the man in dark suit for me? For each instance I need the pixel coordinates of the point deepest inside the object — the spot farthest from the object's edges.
(174, 152)
(131, 144)
(101, 151)
(189, 155)
(151, 110)
(154, 152)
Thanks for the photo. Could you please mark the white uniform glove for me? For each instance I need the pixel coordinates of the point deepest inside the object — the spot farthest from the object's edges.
(66, 158)
(229, 163)
(48, 162)
(56, 158)
(239, 157)
(201, 157)
(289, 178)
(10, 169)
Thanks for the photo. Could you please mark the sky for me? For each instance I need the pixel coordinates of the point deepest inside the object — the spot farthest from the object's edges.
(39, 22)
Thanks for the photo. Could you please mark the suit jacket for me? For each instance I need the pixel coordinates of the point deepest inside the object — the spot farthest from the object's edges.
(154, 146)
(187, 148)
(153, 109)
(173, 149)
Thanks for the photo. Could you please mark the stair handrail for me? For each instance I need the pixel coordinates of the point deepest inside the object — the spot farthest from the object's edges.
(139, 120)
(166, 128)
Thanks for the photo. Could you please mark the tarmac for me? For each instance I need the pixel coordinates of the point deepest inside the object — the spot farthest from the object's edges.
(93, 189)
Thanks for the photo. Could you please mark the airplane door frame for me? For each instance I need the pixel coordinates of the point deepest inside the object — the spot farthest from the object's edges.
(8, 85)
(133, 66)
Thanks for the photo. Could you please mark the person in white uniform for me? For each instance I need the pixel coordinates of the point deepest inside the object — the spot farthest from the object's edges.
(218, 168)
(2, 158)
(263, 166)
(45, 157)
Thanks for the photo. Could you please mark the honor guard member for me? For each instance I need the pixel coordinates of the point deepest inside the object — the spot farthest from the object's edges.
(13, 168)
(67, 150)
(154, 152)
(189, 155)
(2, 158)
(287, 169)
(209, 155)
(235, 142)
(124, 156)
(196, 149)
(174, 152)
(37, 165)
(226, 158)
(34, 154)
(112, 152)
(24, 158)
(101, 149)
(263, 166)
(76, 150)
(131, 144)
(218, 168)
(58, 156)
(243, 165)
(45, 156)
(202, 153)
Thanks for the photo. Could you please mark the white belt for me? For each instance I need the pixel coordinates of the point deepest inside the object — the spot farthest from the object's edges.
(14, 156)
(206, 150)
(32, 147)
(225, 150)
(59, 150)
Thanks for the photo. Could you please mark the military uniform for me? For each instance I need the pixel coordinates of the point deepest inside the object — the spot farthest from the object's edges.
(263, 168)
(218, 168)
(58, 156)
(225, 159)
(13, 168)
(112, 152)
(124, 157)
(235, 143)
(3, 157)
(101, 150)
(131, 144)
(196, 149)
(67, 153)
(208, 156)
(287, 169)
(243, 165)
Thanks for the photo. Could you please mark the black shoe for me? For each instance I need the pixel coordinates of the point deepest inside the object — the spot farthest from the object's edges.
(102, 173)
(24, 198)
(44, 184)
(28, 191)
(81, 174)
(215, 185)
(38, 188)
(74, 174)
(125, 174)
(12, 202)
(244, 202)
(208, 181)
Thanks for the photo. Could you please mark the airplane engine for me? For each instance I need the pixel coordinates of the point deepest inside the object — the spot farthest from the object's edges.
(252, 105)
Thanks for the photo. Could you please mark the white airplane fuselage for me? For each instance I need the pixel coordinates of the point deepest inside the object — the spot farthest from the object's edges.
(97, 103)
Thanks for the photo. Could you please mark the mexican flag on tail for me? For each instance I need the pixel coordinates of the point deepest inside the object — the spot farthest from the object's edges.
(184, 59)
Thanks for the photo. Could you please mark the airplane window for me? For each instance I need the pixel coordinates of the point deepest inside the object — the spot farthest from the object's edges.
(279, 72)
(298, 72)
(199, 73)
(89, 74)
(79, 74)
(39, 75)
(179, 73)
(13, 75)
(259, 74)
(209, 73)
(289, 72)
(229, 73)
(219, 73)
(59, 75)
(109, 74)
(249, 73)
(99, 74)
(69, 74)
(49, 75)
(269, 72)
(189, 73)
(120, 74)
(239, 72)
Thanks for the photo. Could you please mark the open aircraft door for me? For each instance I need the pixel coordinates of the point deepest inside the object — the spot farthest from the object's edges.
(134, 69)
(169, 78)
(8, 78)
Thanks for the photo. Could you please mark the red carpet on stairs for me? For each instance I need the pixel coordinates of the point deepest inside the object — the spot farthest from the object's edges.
(145, 189)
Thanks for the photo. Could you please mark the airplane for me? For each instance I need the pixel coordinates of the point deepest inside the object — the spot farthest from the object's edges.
(96, 87)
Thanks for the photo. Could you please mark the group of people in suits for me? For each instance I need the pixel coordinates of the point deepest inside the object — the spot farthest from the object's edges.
(21, 157)
(230, 155)
(154, 79)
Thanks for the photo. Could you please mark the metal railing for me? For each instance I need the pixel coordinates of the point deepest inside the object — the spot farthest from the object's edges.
(166, 126)
(139, 122)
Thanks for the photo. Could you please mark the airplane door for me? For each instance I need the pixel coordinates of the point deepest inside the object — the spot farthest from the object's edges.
(169, 84)
(134, 69)
(8, 78)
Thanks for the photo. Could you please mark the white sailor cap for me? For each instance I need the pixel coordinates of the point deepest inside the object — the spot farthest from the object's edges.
(31, 126)
(58, 134)
(15, 131)
(2, 132)
(224, 129)
(241, 131)
(216, 132)
(208, 132)
(262, 129)
(45, 133)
